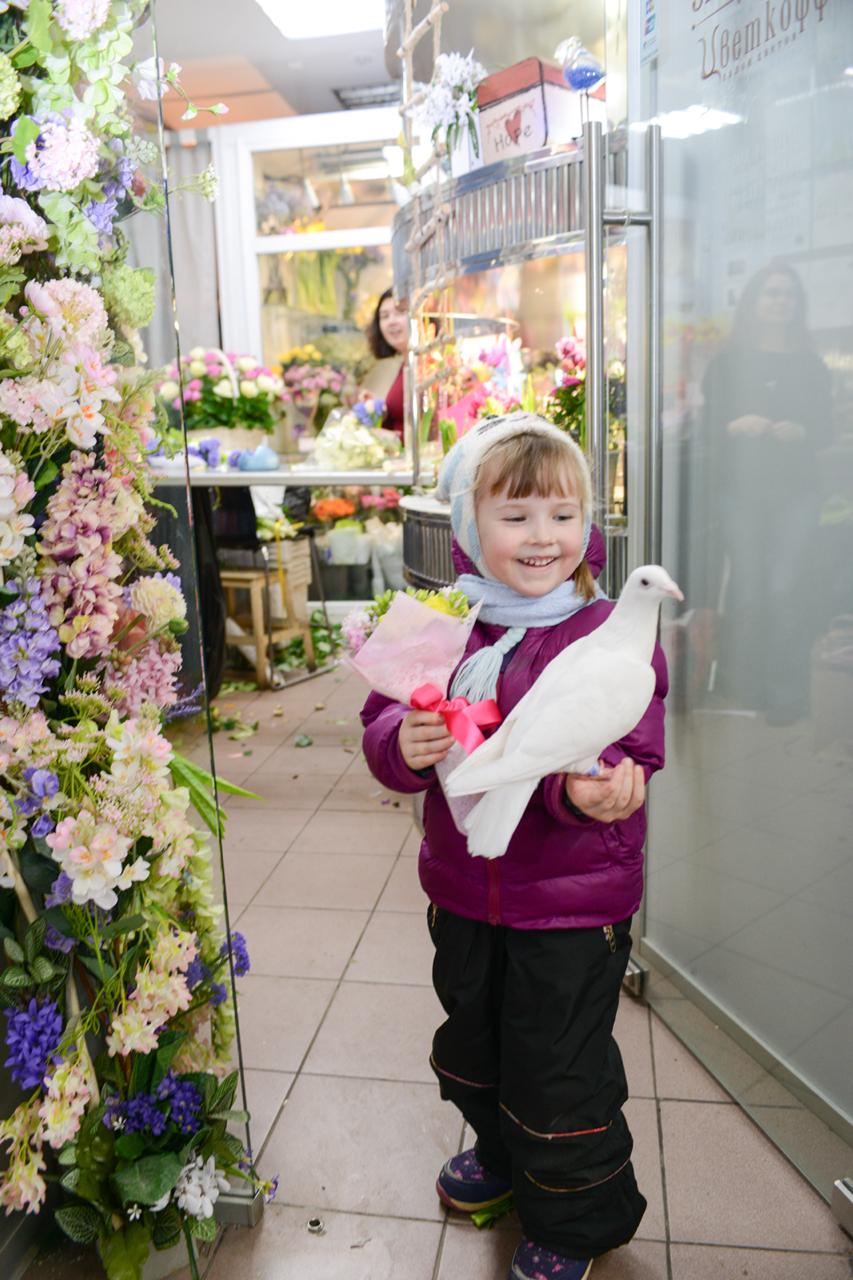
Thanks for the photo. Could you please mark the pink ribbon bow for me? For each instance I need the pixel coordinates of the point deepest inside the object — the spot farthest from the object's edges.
(463, 718)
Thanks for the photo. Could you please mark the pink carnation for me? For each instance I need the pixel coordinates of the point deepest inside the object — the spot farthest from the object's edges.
(21, 230)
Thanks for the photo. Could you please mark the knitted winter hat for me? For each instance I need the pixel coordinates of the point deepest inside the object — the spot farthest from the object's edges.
(458, 475)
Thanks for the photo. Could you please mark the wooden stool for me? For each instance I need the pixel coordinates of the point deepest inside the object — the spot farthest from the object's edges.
(263, 637)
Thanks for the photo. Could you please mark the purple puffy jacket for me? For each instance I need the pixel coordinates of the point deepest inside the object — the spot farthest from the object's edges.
(560, 870)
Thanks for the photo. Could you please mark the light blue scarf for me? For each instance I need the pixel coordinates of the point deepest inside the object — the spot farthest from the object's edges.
(478, 676)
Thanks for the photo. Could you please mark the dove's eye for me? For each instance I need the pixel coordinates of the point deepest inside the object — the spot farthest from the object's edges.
(644, 582)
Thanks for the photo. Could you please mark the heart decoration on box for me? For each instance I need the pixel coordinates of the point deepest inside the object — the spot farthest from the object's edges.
(512, 124)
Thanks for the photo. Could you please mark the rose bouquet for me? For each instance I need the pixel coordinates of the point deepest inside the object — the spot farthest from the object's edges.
(407, 645)
(220, 392)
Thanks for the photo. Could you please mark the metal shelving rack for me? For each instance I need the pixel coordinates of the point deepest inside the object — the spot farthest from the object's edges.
(532, 207)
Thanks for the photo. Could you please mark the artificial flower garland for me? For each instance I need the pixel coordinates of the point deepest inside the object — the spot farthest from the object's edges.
(116, 987)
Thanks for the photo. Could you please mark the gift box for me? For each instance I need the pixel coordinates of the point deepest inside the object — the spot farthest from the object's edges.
(529, 106)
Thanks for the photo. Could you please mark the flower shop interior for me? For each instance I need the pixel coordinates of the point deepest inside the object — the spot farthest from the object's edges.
(261, 267)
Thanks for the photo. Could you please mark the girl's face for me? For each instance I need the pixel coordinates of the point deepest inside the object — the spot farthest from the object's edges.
(394, 324)
(531, 544)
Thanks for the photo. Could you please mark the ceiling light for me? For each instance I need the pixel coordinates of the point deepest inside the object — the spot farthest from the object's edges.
(369, 95)
(298, 21)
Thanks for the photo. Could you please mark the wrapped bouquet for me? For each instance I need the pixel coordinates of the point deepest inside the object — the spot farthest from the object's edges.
(407, 645)
(348, 444)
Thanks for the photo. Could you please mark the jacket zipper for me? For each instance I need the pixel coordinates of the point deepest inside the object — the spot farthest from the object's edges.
(494, 887)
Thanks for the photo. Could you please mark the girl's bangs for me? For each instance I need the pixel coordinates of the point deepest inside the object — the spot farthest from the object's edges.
(531, 464)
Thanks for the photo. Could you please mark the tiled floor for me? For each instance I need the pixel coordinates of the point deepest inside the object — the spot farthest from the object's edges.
(336, 1019)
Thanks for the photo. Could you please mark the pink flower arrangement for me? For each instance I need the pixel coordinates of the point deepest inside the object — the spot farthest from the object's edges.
(161, 992)
(149, 676)
(72, 310)
(79, 19)
(92, 854)
(63, 155)
(16, 524)
(21, 230)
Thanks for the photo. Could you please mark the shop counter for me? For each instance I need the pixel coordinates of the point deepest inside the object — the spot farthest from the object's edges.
(312, 477)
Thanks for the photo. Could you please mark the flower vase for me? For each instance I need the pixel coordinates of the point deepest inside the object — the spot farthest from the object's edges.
(464, 157)
(162, 1263)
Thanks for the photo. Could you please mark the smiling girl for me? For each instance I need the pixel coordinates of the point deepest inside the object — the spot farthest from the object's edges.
(531, 948)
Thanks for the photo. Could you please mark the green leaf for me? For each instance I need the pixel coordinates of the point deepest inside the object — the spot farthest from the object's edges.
(70, 1180)
(26, 131)
(92, 965)
(14, 951)
(204, 1229)
(169, 1045)
(37, 25)
(223, 1099)
(68, 1154)
(34, 939)
(95, 1149)
(143, 1069)
(80, 1223)
(167, 1228)
(38, 872)
(239, 1117)
(229, 1150)
(130, 1146)
(147, 1180)
(47, 473)
(129, 924)
(42, 970)
(124, 1252)
(303, 740)
(26, 57)
(15, 976)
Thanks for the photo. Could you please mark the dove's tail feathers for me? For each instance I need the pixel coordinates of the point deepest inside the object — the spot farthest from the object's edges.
(478, 773)
(491, 824)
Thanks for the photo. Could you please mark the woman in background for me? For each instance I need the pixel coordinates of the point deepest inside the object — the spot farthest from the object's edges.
(388, 339)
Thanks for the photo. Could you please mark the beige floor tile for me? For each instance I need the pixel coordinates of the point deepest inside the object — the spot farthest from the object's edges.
(365, 1146)
(299, 942)
(365, 795)
(403, 891)
(678, 1073)
(641, 1114)
(350, 881)
(290, 759)
(412, 847)
(377, 1030)
(639, 1260)
(348, 832)
(632, 1036)
(740, 1190)
(396, 947)
(246, 869)
(352, 1247)
(265, 1093)
(284, 793)
(278, 1019)
(476, 1255)
(703, 1262)
(250, 829)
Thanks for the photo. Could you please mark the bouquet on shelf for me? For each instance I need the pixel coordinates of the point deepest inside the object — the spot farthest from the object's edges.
(346, 444)
(449, 104)
(316, 389)
(568, 399)
(407, 645)
(219, 391)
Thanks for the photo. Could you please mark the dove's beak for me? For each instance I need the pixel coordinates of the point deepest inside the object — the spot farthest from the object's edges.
(676, 592)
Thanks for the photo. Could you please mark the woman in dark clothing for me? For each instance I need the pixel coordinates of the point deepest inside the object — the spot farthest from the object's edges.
(388, 339)
(767, 413)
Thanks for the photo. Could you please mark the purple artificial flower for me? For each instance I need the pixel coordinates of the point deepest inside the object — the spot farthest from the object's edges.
(184, 1102)
(23, 176)
(218, 994)
(42, 826)
(190, 705)
(197, 971)
(60, 891)
(28, 645)
(239, 953)
(272, 1190)
(102, 213)
(234, 457)
(43, 783)
(141, 1113)
(57, 941)
(31, 1038)
(27, 804)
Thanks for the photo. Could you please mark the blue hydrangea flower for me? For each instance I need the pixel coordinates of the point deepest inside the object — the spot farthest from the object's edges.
(31, 1038)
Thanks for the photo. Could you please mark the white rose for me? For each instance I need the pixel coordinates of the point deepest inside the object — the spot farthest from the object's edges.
(198, 353)
(169, 390)
(224, 390)
(245, 363)
(248, 389)
(198, 368)
(265, 383)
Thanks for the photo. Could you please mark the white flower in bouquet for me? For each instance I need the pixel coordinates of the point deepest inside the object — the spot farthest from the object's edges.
(198, 368)
(198, 353)
(224, 390)
(169, 390)
(271, 385)
(450, 101)
(245, 363)
(248, 389)
(199, 1187)
(458, 71)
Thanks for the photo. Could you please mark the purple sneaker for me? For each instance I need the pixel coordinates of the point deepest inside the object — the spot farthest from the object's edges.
(465, 1185)
(532, 1262)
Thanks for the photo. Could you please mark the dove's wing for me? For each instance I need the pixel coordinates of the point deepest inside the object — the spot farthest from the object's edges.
(577, 712)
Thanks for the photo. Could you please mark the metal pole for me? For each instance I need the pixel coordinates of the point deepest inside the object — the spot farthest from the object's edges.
(654, 451)
(412, 396)
(593, 207)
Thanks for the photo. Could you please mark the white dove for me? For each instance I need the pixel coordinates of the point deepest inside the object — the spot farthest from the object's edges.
(592, 694)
